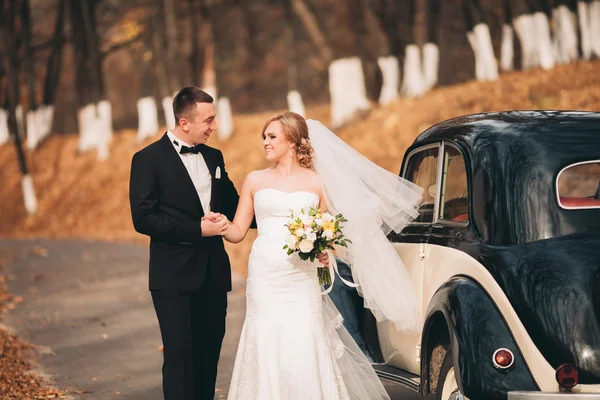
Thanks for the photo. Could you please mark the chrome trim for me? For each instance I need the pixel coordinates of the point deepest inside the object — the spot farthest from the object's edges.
(406, 382)
(437, 145)
(446, 222)
(558, 193)
(438, 183)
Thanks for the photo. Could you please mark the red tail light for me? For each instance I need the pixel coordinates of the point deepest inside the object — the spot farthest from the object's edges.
(567, 376)
(503, 359)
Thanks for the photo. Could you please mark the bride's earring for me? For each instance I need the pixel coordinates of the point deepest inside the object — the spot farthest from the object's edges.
(291, 153)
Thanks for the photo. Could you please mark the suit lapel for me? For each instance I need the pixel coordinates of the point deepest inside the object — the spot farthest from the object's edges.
(180, 170)
(212, 164)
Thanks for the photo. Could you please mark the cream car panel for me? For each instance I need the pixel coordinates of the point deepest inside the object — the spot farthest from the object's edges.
(399, 349)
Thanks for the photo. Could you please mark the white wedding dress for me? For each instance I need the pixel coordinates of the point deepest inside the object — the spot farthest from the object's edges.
(293, 345)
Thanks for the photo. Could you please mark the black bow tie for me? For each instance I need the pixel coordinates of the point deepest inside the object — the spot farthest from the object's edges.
(194, 149)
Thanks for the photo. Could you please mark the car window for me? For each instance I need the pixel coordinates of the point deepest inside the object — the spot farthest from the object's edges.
(454, 199)
(578, 186)
(422, 169)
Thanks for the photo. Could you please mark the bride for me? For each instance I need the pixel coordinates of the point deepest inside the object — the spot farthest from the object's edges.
(293, 344)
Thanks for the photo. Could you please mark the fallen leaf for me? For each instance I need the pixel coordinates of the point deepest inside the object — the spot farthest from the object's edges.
(40, 251)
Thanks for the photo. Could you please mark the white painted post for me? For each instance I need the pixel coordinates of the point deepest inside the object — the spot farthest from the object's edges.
(594, 8)
(431, 65)
(413, 84)
(486, 51)
(544, 43)
(167, 103)
(390, 70)
(295, 103)
(507, 53)
(526, 31)
(104, 121)
(88, 128)
(565, 34)
(224, 118)
(586, 29)
(147, 118)
(3, 126)
(29, 197)
(32, 129)
(45, 119)
(347, 90)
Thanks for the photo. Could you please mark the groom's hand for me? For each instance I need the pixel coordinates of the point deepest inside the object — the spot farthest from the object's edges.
(214, 228)
(214, 217)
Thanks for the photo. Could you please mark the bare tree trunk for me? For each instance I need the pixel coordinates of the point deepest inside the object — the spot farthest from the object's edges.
(294, 98)
(478, 34)
(7, 18)
(311, 24)
(431, 51)
(162, 71)
(28, 59)
(4, 134)
(95, 114)
(197, 18)
(92, 51)
(77, 33)
(10, 64)
(172, 46)
(55, 60)
(372, 73)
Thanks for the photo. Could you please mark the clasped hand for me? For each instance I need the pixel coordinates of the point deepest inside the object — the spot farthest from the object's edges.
(214, 224)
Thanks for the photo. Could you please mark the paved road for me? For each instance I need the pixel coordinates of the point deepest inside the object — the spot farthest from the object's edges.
(88, 305)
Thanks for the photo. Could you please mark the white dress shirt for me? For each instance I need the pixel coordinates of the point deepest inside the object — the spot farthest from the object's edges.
(197, 169)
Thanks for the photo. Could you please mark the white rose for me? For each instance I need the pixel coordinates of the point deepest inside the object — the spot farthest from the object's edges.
(319, 222)
(327, 234)
(311, 236)
(307, 220)
(291, 242)
(299, 232)
(326, 217)
(306, 246)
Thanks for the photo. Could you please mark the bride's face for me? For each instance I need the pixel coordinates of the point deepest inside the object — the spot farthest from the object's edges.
(275, 143)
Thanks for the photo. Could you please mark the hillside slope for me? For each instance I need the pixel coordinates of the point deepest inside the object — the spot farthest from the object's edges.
(80, 197)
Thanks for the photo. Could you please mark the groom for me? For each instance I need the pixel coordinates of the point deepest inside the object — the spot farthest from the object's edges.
(174, 183)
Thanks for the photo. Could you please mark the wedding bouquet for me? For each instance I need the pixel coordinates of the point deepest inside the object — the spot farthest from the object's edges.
(311, 233)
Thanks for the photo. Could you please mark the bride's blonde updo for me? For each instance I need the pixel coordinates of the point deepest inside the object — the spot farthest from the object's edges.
(296, 131)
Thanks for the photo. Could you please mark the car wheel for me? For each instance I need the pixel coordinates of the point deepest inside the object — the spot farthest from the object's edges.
(447, 388)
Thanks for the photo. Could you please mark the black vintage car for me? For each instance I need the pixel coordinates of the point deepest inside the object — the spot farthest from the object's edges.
(505, 259)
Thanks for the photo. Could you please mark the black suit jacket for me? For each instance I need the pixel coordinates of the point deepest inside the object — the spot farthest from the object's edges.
(166, 207)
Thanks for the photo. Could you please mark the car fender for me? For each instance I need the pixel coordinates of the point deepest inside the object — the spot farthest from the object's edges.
(475, 329)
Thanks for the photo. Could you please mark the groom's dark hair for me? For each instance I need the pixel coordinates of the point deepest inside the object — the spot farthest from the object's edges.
(185, 101)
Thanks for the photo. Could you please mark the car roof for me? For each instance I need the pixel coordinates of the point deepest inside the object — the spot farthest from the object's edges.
(518, 154)
(513, 125)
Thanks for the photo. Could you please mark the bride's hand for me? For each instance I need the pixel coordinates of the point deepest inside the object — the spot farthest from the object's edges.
(213, 217)
(323, 258)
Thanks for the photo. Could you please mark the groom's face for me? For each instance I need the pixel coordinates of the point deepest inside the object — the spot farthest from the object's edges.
(200, 124)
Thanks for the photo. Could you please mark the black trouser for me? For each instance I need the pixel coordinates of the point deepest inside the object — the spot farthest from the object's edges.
(192, 326)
